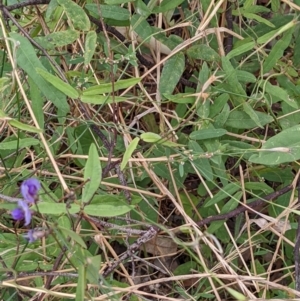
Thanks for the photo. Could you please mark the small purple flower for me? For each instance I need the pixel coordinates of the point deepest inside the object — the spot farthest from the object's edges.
(34, 234)
(29, 189)
(27, 212)
(18, 214)
(30, 236)
(22, 212)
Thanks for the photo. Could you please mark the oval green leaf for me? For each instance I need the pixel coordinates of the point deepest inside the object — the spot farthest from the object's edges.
(108, 88)
(129, 150)
(281, 148)
(207, 134)
(26, 142)
(151, 137)
(56, 208)
(58, 39)
(107, 206)
(203, 52)
(171, 73)
(101, 100)
(90, 46)
(76, 14)
(73, 235)
(93, 173)
(24, 127)
(65, 88)
(109, 11)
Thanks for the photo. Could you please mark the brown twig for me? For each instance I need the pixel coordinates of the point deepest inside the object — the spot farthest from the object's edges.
(229, 21)
(26, 3)
(242, 208)
(133, 248)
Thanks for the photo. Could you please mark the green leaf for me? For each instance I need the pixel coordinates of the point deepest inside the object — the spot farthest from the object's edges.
(221, 119)
(90, 46)
(275, 5)
(65, 88)
(166, 5)
(207, 134)
(76, 14)
(142, 8)
(101, 100)
(281, 148)
(81, 283)
(245, 77)
(281, 94)
(52, 208)
(255, 9)
(24, 127)
(58, 39)
(109, 11)
(278, 50)
(37, 102)
(108, 88)
(236, 295)
(238, 93)
(202, 164)
(296, 56)
(141, 27)
(252, 114)
(73, 235)
(128, 152)
(241, 120)
(181, 98)
(171, 73)
(259, 19)
(232, 203)
(240, 49)
(20, 143)
(258, 186)
(218, 105)
(92, 269)
(28, 61)
(93, 173)
(224, 193)
(107, 206)
(203, 52)
(155, 138)
(274, 33)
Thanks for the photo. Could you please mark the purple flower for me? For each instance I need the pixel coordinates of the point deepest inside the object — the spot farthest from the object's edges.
(27, 212)
(29, 189)
(18, 214)
(22, 212)
(34, 234)
(30, 236)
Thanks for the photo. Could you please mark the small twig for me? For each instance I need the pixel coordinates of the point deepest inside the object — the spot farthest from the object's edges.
(297, 246)
(102, 224)
(229, 38)
(151, 265)
(123, 182)
(34, 274)
(133, 248)
(27, 3)
(10, 199)
(242, 208)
